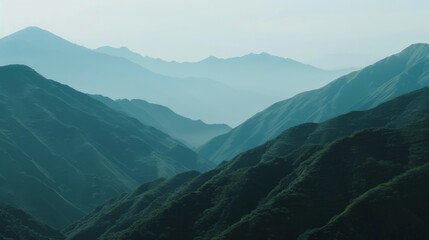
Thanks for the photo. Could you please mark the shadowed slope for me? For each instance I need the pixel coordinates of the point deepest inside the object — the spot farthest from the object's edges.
(16, 224)
(71, 152)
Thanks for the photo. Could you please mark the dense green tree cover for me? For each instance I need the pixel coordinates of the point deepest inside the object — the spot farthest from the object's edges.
(18, 225)
(341, 179)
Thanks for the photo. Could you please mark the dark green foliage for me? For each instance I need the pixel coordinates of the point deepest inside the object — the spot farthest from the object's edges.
(71, 153)
(193, 133)
(124, 211)
(389, 78)
(17, 225)
(395, 210)
(290, 188)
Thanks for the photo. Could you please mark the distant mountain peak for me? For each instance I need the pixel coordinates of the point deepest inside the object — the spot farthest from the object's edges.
(210, 58)
(40, 37)
(415, 52)
(416, 48)
(261, 54)
(33, 31)
(125, 48)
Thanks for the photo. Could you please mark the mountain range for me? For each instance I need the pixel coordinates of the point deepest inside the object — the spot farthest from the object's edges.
(96, 73)
(70, 152)
(377, 83)
(193, 133)
(361, 175)
(349, 160)
(263, 73)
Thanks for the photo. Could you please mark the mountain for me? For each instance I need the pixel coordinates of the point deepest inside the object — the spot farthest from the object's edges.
(16, 224)
(193, 133)
(95, 73)
(291, 188)
(63, 153)
(385, 80)
(262, 73)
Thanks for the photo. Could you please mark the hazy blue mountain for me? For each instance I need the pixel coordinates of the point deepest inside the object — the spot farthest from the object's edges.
(63, 153)
(193, 133)
(114, 77)
(18, 225)
(386, 79)
(291, 188)
(263, 73)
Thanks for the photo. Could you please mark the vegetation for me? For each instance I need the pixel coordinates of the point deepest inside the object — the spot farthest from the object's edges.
(292, 188)
(15, 224)
(71, 153)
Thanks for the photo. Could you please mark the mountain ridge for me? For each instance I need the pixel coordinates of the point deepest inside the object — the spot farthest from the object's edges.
(193, 133)
(97, 73)
(393, 76)
(262, 72)
(73, 152)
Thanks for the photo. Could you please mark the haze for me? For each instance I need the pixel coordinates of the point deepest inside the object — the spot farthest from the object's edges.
(328, 34)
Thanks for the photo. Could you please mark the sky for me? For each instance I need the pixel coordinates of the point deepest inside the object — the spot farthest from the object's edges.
(329, 34)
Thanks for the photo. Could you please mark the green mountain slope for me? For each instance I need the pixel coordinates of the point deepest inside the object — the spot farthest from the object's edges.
(406, 194)
(263, 73)
(71, 153)
(92, 72)
(193, 133)
(16, 224)
(286, 188)
(396, 75)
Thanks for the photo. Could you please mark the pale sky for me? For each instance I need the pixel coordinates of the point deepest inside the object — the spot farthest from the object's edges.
(329, 34)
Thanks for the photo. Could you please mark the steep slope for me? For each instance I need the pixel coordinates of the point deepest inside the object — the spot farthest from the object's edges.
(193, 133)
(407, 194)
(63, 153)
(284, 188)
(114, 77)
(396, 75)
(263, 73)
(16, 224)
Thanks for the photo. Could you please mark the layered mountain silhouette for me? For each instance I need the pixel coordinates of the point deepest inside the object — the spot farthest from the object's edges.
(95, 73)
(262, 73)
(386, 79)
(63, 152)
(193, 133)
(357, 182)
(16, 224)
